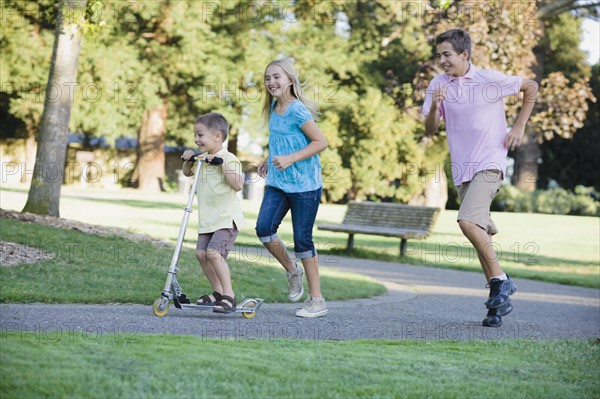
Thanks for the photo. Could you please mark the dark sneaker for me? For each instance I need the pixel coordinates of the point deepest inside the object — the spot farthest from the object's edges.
(500, 290)
(505, 309)
(492, 319)
(513, 287)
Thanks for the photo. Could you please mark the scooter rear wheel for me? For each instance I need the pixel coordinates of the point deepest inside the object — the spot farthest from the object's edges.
(160, 307)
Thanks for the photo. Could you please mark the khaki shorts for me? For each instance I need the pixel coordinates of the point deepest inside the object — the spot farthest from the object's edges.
(476, 198)
(220, 241)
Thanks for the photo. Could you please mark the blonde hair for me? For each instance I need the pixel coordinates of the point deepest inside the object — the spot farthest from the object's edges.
(296, 90)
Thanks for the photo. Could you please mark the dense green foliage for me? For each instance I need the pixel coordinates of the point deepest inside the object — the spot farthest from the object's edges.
(366, 63)
(572, 162)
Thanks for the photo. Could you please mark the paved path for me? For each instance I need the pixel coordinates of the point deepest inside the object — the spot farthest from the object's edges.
(422, 303)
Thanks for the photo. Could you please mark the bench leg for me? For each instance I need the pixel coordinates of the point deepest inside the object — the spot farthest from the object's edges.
(350, 245)
(403, 248)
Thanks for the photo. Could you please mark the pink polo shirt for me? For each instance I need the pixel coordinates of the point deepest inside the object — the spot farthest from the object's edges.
(473, 112)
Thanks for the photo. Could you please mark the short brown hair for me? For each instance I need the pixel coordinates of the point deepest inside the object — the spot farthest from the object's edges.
(214, 122)
(458, 38)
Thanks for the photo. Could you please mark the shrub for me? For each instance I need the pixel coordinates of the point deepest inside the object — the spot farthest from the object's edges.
(554, 201)
(511, 199)
(558, 201)
(585, 206)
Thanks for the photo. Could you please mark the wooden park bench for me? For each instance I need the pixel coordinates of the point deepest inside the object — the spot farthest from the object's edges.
(386, 219)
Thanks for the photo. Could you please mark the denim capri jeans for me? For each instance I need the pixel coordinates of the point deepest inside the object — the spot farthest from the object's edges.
(304, 206)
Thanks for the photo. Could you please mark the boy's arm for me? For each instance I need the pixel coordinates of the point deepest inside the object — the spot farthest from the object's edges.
(432, 121)
(514, 138)
(187, 164)
(233, 177)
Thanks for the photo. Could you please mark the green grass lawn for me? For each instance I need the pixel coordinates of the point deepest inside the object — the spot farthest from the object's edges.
(166, 366)
(555, 248)
(87, 268)
(95, 269)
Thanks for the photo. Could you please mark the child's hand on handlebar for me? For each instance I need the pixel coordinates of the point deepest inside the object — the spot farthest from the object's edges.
(213, 159)
(188, 156)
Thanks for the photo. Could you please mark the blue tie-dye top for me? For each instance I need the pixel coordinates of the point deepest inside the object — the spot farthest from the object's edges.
(286, 137)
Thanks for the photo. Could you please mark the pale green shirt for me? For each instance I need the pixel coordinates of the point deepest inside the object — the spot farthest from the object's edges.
(219, 205)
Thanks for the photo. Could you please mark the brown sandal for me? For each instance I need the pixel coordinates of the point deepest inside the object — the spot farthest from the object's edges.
(206, 299)
(227, 304)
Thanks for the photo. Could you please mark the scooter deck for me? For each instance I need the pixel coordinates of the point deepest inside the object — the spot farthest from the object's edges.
(238, 309)
(182, 302)
(248, 307)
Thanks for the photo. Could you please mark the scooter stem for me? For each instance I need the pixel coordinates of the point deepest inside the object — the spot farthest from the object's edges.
(182, 229)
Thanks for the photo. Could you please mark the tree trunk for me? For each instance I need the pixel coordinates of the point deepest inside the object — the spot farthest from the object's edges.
(525, 174)
(151, 149)
(435, 193)
(30, 149)
(232, 143)
(44, 192)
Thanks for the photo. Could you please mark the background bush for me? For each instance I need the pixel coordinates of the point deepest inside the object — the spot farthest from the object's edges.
(583, 201)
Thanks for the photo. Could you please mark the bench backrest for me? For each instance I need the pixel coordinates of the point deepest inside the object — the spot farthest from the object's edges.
(383, 214)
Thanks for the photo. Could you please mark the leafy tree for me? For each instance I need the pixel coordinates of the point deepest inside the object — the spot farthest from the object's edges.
(574, 161)
(377, 126)
(108, 97)
(565, 93)
(196, 58)
(158, 64)
(107, 72)
(26, 40)
(505, 37)
(581, 8)
(558, 49)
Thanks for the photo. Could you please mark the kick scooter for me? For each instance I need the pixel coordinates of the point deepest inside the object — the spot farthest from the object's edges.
(173, 290)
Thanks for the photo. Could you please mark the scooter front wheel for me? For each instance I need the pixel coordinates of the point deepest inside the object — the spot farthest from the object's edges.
(160, 307)
(251, 304)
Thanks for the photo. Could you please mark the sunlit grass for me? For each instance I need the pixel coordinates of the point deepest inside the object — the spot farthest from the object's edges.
(159, 366)
(555, 248)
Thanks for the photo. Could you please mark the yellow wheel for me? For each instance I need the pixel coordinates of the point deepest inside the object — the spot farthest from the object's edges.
(160, 307)
(249, 314)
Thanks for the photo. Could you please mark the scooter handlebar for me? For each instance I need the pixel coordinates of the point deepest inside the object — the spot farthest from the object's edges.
(214, 161)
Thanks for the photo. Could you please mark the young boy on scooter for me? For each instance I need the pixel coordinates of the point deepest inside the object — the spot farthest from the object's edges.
(220, 215)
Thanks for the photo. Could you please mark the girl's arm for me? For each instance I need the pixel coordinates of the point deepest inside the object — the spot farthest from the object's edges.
(318, 143)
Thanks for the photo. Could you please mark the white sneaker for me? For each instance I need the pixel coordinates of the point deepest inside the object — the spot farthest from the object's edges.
(295, 287)
(313, 307)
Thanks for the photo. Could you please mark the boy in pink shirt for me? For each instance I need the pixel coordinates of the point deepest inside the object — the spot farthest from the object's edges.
(471, 102)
